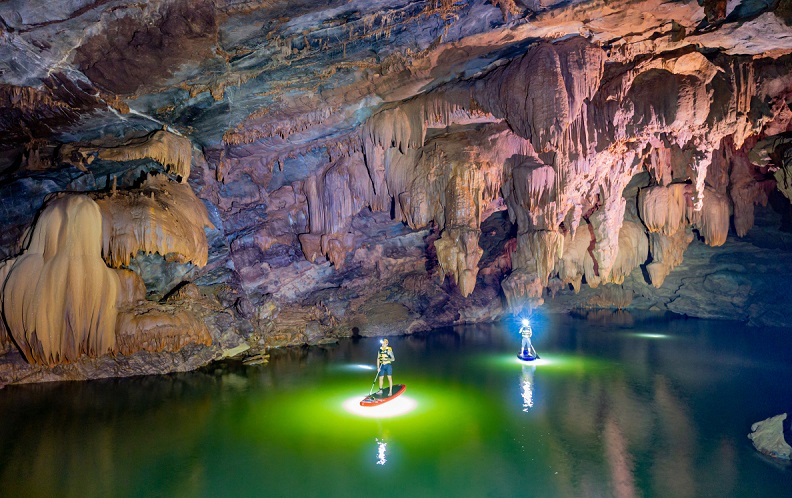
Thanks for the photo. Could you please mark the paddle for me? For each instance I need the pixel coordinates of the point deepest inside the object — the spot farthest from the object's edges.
(371, 391)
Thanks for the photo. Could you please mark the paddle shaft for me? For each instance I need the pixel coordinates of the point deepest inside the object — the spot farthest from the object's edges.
(375, 381)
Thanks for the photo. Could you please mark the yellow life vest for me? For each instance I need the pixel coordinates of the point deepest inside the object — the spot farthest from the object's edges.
(385, 355)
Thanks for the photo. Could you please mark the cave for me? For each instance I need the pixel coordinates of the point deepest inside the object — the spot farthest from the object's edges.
(215, 211)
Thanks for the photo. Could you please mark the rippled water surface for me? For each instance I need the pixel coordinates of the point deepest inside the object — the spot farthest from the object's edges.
(618, 405)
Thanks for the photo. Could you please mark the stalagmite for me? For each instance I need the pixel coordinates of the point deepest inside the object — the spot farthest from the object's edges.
(160, 217)
(523, 291)
(59, 299)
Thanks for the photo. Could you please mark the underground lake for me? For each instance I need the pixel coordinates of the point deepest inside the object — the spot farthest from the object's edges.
(617, 405)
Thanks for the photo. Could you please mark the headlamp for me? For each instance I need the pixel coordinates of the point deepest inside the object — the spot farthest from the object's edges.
(526, 322)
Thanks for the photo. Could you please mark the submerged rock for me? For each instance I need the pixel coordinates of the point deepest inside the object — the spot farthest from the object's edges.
(768, 437)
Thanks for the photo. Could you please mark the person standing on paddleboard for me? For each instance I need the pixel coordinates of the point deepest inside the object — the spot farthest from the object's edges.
(384, 359)
(526, 332)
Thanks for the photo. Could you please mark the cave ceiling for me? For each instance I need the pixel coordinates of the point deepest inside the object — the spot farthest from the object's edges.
(274, 79)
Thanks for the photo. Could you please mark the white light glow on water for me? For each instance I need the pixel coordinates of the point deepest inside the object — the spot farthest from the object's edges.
(645, 335)
(399, 406)
(537, 362)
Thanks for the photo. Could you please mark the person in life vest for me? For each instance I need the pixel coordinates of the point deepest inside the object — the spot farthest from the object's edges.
(526, 332)
(384, 359)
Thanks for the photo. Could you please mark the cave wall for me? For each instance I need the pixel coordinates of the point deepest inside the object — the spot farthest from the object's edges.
(279, 173)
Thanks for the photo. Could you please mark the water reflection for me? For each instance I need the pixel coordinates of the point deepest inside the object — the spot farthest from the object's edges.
(381, 448)
(83, 444)
(527, 386)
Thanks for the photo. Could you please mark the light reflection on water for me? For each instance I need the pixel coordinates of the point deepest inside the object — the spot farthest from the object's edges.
(602, 413)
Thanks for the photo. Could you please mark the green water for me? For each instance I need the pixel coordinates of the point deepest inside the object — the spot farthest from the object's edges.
(618, 406)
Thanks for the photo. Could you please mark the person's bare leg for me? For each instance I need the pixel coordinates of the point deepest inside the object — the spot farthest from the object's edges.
(390, 385)
(381, 379)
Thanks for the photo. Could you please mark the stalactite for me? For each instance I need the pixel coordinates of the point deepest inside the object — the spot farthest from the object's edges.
(663, 209)
(458, 254)
(607, 220)
(666, 251)
(59, 299)
(458, 251)
(659, 165)
(712, 221)
(745, 191)
(576, 261)
(633, 251)
(159, 217)
(172, 151)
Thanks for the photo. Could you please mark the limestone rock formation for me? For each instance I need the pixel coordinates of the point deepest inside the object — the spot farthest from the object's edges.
(768, 437)
(159, 217)
(311, 164)
(59, 298)
(172, 151)
(153, 327)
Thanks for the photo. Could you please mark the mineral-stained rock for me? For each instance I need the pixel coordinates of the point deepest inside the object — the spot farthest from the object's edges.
(768, 437)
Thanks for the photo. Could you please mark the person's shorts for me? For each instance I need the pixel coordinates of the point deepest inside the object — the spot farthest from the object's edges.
(386, 369)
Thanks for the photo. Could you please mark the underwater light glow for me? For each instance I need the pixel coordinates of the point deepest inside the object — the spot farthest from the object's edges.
(399, 406)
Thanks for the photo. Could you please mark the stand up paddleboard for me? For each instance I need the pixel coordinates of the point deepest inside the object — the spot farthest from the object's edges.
(525, 356)
(380, 397)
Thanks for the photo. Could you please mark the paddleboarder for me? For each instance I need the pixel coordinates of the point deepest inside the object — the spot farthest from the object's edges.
(384, 359)
(526, 348)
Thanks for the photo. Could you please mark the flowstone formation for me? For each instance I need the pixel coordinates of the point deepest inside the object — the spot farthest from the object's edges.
(278, 173)
(59, 298)
(66, 295)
